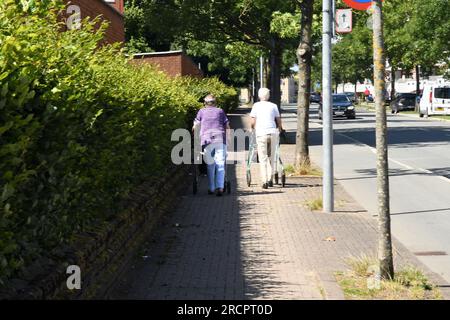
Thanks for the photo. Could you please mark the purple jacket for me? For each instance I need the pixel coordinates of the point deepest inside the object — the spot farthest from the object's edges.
(213, 123)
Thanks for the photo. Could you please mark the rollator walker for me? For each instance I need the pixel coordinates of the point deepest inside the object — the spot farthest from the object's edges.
(278, 168)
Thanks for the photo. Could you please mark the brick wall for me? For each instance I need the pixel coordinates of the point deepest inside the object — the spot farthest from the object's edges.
(103, 253)
(173, 63)
(118, 4)
(190, 68)
(113, 15)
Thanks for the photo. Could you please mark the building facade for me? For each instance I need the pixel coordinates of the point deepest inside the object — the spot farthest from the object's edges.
(289, 90)
(110, 11)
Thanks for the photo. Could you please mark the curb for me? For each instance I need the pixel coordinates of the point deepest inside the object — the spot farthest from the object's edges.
(425, 117)
(415, 116)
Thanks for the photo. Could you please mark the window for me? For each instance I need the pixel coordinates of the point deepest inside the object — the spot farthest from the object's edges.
(340, 99)
(442, 93)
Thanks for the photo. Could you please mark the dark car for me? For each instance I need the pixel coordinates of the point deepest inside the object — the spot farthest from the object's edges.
(351, 96)
(403, 101)
(342, 107)
(315, 97)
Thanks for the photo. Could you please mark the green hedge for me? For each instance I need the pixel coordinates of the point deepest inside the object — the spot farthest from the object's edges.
(80, 127)
(227, 97)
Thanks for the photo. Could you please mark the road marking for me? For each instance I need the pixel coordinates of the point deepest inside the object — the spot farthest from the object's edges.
(374, 151)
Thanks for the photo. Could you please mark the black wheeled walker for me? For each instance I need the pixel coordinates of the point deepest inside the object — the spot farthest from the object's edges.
(278, 170)
(199, 169)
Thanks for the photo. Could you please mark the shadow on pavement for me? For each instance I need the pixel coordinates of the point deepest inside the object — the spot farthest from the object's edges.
(207, 249)
(372, 173)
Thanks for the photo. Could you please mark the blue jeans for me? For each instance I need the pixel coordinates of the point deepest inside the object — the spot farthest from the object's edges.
(215, 157)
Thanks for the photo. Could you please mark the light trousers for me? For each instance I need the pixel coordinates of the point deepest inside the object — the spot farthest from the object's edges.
(267, 145)
(215, 157)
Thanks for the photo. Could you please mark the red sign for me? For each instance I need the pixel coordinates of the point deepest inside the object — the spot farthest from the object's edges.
(359, 4)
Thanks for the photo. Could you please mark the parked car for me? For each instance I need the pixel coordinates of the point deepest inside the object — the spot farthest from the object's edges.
(315, 97)
(342, 107)
(351, 96)
(435, 100)
(403, 101)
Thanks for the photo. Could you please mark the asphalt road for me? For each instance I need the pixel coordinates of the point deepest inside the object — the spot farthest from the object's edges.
(419, 166)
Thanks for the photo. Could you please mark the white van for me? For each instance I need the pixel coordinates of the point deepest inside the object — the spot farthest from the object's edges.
(435, 100)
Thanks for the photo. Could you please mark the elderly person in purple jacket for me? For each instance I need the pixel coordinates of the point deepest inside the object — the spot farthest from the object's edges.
(213, 124)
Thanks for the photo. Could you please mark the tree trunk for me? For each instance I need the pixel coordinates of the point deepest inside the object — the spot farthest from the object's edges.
(393, 70)
(418, 80)
(385, 239)
(304, 57)
(417, 83)
(256, 87)
(275, 74)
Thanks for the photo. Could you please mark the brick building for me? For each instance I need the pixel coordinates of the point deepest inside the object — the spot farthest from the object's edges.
(118, 4)
(109, 10)
(174, 63)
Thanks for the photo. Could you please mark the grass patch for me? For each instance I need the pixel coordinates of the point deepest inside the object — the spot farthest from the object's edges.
(444, 117)
(304, 169)
(360, 265)
(409, 112)
(369, 106)
(360, 283)
(314, 205)
(441, 117)
(289, 169)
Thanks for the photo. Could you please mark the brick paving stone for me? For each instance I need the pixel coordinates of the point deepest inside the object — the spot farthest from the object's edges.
(254, 244)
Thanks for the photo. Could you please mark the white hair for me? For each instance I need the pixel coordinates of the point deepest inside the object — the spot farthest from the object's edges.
(264, 94)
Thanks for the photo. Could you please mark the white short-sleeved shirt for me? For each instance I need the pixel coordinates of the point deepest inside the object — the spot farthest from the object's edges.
(265, 113)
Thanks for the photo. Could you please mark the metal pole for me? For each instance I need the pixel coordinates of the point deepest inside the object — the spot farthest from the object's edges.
(327, 114)
(333, 19)
(261, 72)
(253, 92)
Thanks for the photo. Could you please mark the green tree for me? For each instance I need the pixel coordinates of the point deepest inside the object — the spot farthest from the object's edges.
(232, 62)
(417, 34)
(220, 23)
(352, 54)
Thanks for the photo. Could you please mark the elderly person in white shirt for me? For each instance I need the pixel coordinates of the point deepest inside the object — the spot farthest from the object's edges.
(266, 120)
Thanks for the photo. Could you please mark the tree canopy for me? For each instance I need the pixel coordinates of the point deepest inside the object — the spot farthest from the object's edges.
(227, 36)
(416, 33)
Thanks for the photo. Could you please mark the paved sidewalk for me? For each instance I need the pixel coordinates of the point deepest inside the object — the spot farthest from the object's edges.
(252, 244)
